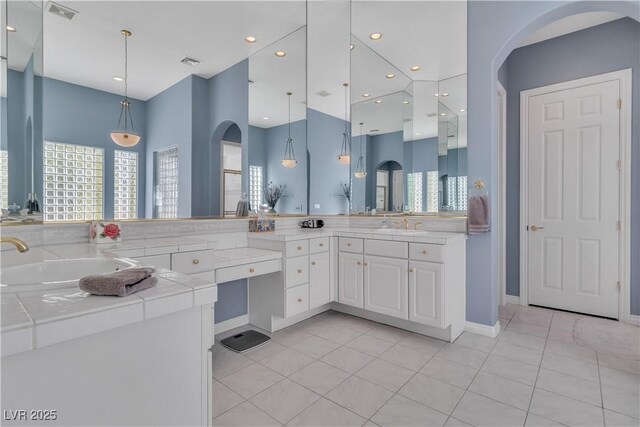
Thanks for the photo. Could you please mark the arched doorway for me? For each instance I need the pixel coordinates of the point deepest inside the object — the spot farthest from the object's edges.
(389, 186)
(227, 178)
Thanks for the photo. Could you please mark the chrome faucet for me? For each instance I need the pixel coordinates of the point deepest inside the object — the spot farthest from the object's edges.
(20, 245)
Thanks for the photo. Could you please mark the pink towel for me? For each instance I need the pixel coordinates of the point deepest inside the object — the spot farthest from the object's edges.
(478, 215)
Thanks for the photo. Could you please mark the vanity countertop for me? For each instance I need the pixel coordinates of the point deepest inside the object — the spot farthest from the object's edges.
(420, 236)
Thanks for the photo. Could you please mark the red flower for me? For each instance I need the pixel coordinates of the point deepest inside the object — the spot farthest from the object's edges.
(111, 230)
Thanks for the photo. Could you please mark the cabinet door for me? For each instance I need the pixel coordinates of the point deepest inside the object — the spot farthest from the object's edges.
(350, 281)
(319, 279)
(426, 299)
(386, 286)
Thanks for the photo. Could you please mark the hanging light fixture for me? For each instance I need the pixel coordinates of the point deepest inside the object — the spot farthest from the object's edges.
(289, 159)
(345, 152)
(125, 138)
(360, 172)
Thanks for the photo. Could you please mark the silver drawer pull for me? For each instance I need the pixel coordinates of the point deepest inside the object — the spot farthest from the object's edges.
(321, 244)
(411, 270)
(252, 270)
(299, 271)
(299, 299)
(424, 252)
(195, 261)
(359, 263)
(313, 263)
(366, 263)
(349, 244)
(299, 248)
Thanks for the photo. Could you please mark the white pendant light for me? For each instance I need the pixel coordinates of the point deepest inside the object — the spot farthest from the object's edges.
(345, 152)
(125, 138)
(360, 171)
(289, 159)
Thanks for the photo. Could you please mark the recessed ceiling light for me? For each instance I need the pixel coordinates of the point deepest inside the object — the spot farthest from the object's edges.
(462, 110)
(436, 95)
(445, 94)
(11, 29)
(352, 46)
(118, 78)
(390, 75)
(281, 53)
(375, 36)
(250, 39)
(378, 101)
(365, 95)
(265, 118)
(405, 102)
(415, 68)
(443, 114)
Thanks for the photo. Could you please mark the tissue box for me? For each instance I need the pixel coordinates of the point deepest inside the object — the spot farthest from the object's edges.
(261, 225)
(104, 232)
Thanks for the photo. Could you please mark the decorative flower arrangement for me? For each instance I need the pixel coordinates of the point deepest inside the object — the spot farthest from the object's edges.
(346, 189)
(272, 194)
(103, 232)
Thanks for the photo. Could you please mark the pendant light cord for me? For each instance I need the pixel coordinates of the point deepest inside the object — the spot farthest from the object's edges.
(126, 78)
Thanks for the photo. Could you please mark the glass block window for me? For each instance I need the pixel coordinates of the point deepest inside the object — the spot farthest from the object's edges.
(125, 185)
(432, 191)
(165, 179)
(461, 195)
(73, 187)
(414, 188)
(255, 186)
(4, 179)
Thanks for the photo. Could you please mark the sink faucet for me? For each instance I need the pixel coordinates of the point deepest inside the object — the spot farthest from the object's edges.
(20, 245)
(417, 225)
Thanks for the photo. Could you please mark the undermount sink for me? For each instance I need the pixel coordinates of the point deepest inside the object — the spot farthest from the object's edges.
(51, 274)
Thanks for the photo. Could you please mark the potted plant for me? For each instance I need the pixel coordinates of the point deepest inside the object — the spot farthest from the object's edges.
(272, 194)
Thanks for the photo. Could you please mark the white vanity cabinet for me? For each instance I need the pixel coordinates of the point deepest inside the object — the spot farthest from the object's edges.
(351, 279)
(319, 279)
(386, 286)
(425, 293)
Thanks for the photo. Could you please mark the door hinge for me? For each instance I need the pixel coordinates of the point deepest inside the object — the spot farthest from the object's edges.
(619, 104)
(618, 226)
(618, 286)
(619, 164)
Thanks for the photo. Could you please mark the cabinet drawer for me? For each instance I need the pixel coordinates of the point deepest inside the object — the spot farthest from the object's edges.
(320, 244)
(193, 262)
(349, 244)
(297, 248)
(426, 252)
(297, 271)
(297, 300)
(160, 261)
(386, 248)
(228, 274)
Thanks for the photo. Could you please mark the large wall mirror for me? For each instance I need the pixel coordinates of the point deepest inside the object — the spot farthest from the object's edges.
(199, 81)
(408, 105)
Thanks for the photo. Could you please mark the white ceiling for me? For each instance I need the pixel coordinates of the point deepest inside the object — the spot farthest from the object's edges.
(570, 24)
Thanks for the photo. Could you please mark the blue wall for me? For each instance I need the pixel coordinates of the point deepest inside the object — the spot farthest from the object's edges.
(494, 29)
(79, 115)
(15, 143)
(596, 50)
(324, 140)
(169, 123)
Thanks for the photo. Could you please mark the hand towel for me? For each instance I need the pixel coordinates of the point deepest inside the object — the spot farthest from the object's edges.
(478, 215)
(120, 283)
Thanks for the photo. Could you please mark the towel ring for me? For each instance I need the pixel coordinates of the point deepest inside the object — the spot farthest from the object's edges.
(478, 188)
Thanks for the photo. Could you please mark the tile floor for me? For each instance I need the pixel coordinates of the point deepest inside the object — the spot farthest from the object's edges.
(339, 370)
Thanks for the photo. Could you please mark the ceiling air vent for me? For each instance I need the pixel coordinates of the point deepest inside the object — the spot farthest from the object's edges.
(190, 61)
(374, 130)
(61, 11)
(432, 114)
(323, 93)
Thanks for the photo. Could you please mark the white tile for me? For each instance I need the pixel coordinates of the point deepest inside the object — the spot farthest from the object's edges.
(166, 305)
(385, 374)
(388, 333)
(512, 369)
(226, 362)
(570, 386)
(315, 346)
(620, 379)
(252, 380)
(289, 336)
(449, 372)
(284, 400)
(326, 413)
(565, 410)
(205, 296)
(370, 345)
(454, 422)
(571, 350)
(400, 411)
(422, 343)
(534, 420)
(528, 328)
(519, 353)
(224, 399)
(476, 341)
(507, 311)
(360, 396)
(406, 357)
(265, 350)
(503, 390)
(17, 341)
(347, 359)
(320, 377)
(578, 368)
(481, 411)
(287, 361)
(534, 316)
(338, 335)
(614, 419)
(244, 415)
(432, 392)
(626, 365)
(622, 401)
(524, 340)
(462, 355)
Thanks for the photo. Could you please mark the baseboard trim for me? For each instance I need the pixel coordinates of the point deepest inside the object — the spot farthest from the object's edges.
(511, 299)
(484, 330)
(634, 320)
(232, 323)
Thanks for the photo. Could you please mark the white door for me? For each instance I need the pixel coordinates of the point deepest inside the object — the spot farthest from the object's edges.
(426, 301)
(319, 279)
(350, 281)
(573, 198)
(386, 287)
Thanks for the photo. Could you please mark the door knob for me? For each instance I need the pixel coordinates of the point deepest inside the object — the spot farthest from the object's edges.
(535, 228)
